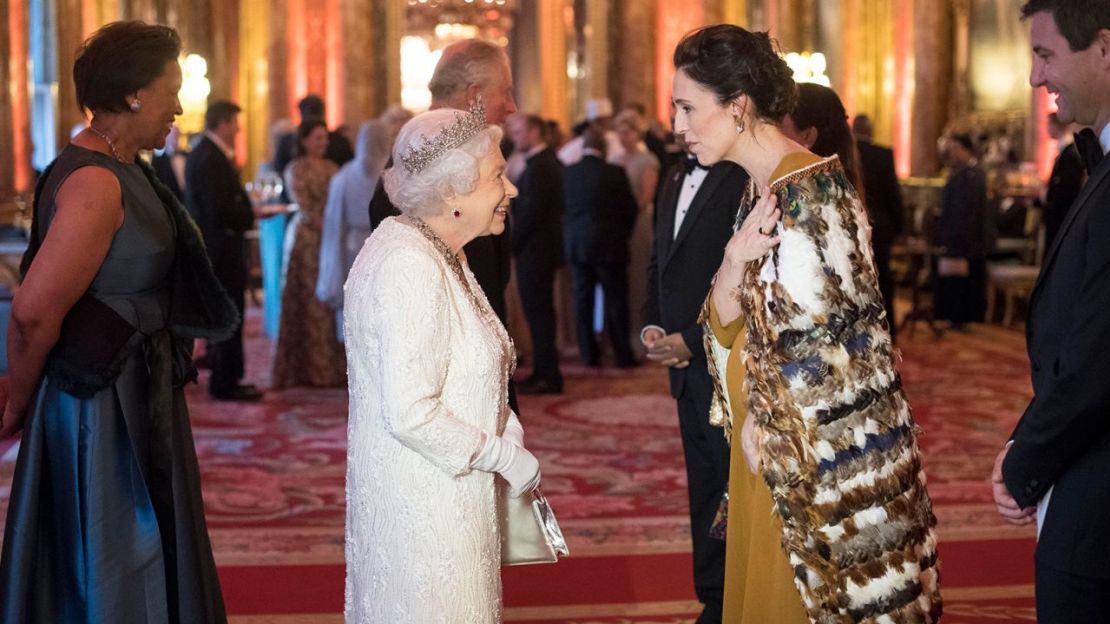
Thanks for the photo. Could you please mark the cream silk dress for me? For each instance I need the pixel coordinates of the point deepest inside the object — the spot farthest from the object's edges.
(427, 375)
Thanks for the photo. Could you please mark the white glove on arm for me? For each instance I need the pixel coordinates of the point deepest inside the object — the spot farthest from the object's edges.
(519, 467)
(514, 432)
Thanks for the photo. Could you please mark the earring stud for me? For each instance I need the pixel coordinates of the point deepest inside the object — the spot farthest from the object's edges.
(136, 106)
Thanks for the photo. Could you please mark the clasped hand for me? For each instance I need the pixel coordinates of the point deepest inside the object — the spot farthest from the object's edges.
(667, 349)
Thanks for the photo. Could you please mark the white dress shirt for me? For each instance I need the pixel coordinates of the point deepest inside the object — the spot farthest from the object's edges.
(690, 185)
(1104, 138)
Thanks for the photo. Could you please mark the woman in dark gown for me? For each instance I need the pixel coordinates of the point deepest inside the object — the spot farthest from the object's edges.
(106, 521)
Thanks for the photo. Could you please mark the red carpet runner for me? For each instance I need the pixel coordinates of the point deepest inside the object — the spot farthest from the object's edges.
(273, 482)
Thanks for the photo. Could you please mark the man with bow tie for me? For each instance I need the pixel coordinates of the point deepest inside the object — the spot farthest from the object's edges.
(695, 211)
(1055, 470)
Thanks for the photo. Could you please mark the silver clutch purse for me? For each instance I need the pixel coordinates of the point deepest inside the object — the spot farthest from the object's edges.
(529, 531)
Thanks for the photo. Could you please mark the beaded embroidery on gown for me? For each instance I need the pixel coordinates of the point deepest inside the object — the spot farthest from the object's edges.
(427, 367)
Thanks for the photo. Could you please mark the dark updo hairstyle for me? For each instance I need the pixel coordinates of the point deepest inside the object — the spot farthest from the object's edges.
(820, 107)
(732, 62)
(303, 131)
(118, 60)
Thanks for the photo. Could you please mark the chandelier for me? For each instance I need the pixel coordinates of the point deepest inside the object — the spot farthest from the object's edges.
(492, 18)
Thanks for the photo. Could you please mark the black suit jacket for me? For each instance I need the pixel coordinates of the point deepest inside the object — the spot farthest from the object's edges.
(537, 212)
(964, 230)
(600, 212)
(215, 198)
(1063, 439)
(881, 193)
(682, 266)
(1063, 188)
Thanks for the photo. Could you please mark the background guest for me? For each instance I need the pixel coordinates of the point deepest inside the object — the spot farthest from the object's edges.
(169, 164)
(346, 223)
(600, 213)
(537, 246)
(308, 351)
(960, 291)
(883, 199)
(219, 204)
(1065, 181)
(642, 169)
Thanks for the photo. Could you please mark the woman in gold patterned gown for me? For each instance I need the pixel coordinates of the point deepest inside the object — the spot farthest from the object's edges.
(308, 350)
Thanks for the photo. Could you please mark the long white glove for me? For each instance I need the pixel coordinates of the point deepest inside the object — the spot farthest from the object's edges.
(514, 432)
(519, 467)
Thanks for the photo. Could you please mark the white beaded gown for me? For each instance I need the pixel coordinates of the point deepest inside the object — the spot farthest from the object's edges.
(427, 374)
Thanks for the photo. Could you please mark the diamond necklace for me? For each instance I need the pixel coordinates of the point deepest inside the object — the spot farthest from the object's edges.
(111, 145)
(481, 308)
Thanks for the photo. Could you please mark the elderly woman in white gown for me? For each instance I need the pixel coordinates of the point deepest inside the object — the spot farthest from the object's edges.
(428, 364)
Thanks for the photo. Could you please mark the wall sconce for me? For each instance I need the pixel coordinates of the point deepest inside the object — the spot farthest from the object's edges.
(808, 67)
(194, 93)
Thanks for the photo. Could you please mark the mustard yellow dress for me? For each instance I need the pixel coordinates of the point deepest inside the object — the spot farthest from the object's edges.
(759, 582)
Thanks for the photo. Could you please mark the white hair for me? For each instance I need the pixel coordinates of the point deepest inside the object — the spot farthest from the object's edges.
(453, 173)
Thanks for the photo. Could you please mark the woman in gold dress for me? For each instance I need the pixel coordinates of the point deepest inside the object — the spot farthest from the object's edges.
(308, 349)
(829, 517)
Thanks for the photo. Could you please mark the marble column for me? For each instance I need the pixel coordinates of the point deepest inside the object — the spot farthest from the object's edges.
(727, 12)
(253, 91)
(932, 52)
(674, 18)
(361, 73)
(15, 100)
(552, 38)
(634, 76)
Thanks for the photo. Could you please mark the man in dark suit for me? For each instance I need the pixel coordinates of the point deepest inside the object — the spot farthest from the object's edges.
(466, 70)
(599, 215)
(1056, 467)
(695, 212)
(1064, 183)
(537, 247)
(215, 198)
(883, 197)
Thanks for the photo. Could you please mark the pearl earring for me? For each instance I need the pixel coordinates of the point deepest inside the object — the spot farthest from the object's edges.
(136, 106)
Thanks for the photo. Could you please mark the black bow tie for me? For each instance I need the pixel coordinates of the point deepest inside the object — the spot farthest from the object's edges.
(1090, 150)
(690, 164)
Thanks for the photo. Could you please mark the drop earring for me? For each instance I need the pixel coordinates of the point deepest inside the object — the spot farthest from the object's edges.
(739, 125)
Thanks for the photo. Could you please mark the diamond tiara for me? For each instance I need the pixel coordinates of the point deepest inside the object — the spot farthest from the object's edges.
(467, 125)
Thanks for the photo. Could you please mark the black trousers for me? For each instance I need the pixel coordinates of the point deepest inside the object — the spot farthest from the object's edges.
(707, 462)
(613, 277)
(536, 284)
(225, 358)
(1065, 598)
(886, 284)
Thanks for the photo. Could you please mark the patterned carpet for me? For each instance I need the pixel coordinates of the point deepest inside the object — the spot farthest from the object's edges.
(273, 484)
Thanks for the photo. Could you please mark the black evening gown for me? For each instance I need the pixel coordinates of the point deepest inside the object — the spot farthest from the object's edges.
(106, 521)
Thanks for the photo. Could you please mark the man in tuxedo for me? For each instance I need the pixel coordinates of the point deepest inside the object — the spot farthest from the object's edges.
(1056, 467)
(884, 204)
(466, 70)
(695, 211)
(537, 247)
(1064, 182)
(600, 211)
(215, 198)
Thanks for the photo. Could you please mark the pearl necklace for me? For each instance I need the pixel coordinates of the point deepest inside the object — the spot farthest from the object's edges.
(111, 145)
